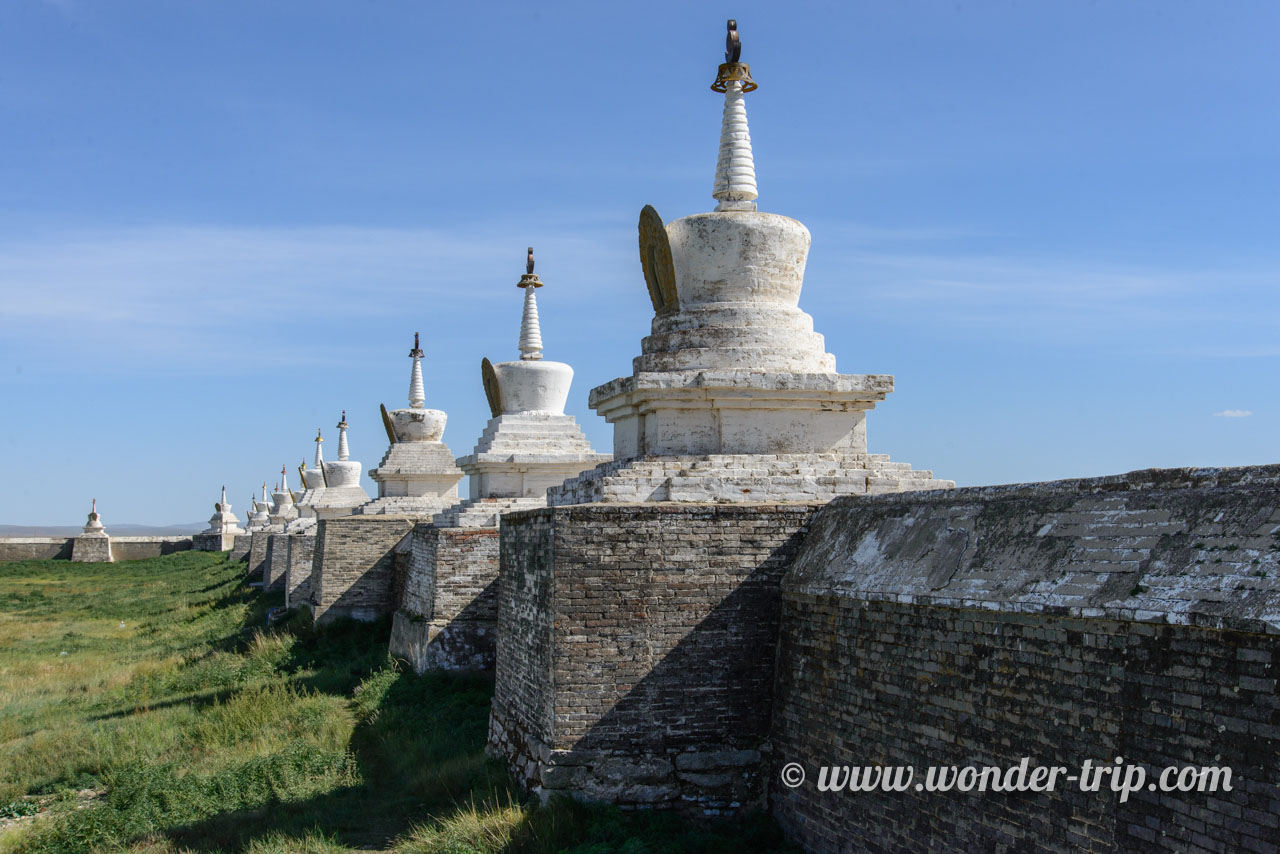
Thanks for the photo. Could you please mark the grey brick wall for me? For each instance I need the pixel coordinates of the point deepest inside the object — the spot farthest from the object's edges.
(258, 552)
(276, 563)
(1134, 616)
(353, 572)
(448, 614)
(297, 583)
(636, 647)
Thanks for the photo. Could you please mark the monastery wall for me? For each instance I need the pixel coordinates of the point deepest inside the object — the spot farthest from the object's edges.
(354, 566)
(59, 548)
(275, 563)
(35, 548)
(448, 614)
(258, 552)
(240, 547)
(297, 582)
(636, 647)
(1135, 616)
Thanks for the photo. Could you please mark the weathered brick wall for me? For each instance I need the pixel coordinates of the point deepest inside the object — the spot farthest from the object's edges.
(1136, 616)
(258, 552)
(449, 608)
(141, 548)
(36, 548)
(297, 581)
(276, 563)
(240, 547)
(354, 567)
(92, 550)
(636, 647)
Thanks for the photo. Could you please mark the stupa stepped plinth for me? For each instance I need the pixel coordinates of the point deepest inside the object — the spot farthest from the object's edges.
(734, 397)
(529, 445)
(417, 477)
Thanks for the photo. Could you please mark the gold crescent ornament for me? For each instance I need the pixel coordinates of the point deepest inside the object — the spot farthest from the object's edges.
(386, 422)
(655, 258)
(491, 391)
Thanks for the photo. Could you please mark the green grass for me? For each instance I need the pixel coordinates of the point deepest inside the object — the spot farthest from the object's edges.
(142, 709)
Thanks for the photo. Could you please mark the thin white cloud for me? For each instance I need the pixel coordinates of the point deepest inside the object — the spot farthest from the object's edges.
(1233, 413)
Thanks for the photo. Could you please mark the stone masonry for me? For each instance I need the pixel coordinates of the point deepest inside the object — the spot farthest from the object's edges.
(276, 562)
(1133, 617)
(353, 571)
(297, 585)
(636, 645)
(447, 618)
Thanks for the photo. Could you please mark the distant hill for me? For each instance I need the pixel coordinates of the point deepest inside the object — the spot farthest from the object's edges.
(124, 530)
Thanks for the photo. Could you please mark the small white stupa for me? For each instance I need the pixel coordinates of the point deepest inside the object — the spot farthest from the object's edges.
(529, 445)
(312, 489)
(92, 546)
(223, 521)
(222, 531)
(417, 476)
(259, 513)
(734, 397)
(283, 510)
(341, 491)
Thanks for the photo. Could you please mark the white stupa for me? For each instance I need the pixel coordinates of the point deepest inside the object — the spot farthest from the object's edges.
(223, 521)
(259, 518)
(734, 397)
(283, 510)
(417, 476)
(530, 444)
(93, 545)
(341, 491)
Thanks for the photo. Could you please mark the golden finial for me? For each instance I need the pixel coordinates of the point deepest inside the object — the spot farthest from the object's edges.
(731, 69)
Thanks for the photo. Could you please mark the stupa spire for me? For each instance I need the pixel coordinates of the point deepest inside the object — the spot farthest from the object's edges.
(223, 503)
(284, 478)
(530, 332)
(417, 394)
(319, 454)
(343, 451)
(735, 185)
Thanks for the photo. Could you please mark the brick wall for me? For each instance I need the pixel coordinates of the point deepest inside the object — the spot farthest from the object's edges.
(276, 563)
(449, 603)
(636, 647)
(297, 583)
(36, 548)
(240, 547)
(1135, 616)
(258, 552)
(354, 567)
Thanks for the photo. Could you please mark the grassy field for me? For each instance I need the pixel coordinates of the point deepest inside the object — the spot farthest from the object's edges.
(142, 709)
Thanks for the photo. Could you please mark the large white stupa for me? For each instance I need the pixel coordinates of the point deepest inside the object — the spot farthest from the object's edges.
(417, 476)
(529, 445)
(734, 397)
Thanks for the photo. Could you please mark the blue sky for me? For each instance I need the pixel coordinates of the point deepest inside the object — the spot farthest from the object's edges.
(221, 223)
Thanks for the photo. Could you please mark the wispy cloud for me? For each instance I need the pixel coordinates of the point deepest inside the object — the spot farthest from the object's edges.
(288, 292)
(1233, 413)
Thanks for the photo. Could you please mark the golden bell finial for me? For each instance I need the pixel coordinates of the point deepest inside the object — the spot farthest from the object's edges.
(731, 70)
